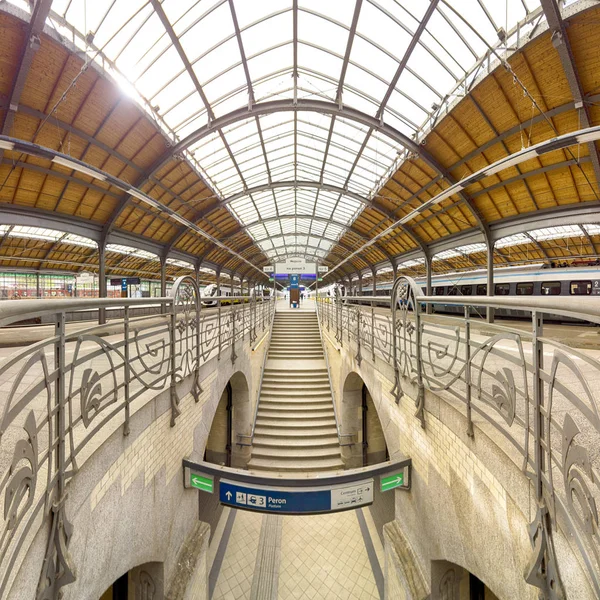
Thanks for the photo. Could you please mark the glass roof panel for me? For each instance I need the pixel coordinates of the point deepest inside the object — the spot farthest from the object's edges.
(128, 39)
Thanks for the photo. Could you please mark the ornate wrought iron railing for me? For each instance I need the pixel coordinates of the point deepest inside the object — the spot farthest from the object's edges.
(61, 397)
(535, 395)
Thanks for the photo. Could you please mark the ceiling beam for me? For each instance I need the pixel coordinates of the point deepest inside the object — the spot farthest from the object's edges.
(32, 43)
(303, 105)
(309, 185)
(407, 54)
(560, 40)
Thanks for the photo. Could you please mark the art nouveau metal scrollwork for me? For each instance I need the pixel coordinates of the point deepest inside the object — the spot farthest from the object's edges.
(71, 388)
(537, 393)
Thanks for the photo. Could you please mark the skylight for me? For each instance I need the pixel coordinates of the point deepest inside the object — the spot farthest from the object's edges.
(293, 59)
(180, 263)
(118, 248)
(46, 235)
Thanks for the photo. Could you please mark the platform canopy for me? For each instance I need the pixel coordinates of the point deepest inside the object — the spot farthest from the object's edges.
(301, 128)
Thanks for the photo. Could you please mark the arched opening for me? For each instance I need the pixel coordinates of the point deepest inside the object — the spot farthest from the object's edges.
(231, 420)
(451, 582)
(220, 438)
(145, 582)
(359, 417)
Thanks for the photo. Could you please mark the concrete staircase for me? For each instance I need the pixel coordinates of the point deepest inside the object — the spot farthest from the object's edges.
(295, 424)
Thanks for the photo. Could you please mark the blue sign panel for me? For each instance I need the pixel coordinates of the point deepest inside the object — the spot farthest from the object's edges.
(296, 500)
(294, 281)
(124, 284)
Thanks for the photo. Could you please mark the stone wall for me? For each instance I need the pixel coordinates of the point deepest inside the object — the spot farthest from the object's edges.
(127, 502)
(470, 504)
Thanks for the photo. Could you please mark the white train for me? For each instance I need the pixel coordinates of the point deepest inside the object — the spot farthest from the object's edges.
(210, 291)
(531, 280)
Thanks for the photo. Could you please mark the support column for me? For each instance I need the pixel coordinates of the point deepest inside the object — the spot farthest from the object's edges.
(102, 288)
(163, 281)
(490, 279)
(428, 288)
(197, 273)
(374, 286)
(218, 277)
(38, 291)
(360, 292)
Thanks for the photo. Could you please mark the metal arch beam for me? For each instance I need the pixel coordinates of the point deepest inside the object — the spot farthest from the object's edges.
(324, 220)
(538, 246)
(560, 40)
(589, 239)
(303, 105)
(13, 214)
(407, 54)
(35, 27)
(310, 185)
(333, 241)
(6, 236)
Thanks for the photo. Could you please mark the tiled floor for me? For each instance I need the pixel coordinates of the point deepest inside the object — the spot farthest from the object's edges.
(237, 570)
(322, 557)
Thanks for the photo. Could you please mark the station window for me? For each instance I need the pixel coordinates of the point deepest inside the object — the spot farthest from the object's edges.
(525, 289)
(502, 289)
(439, 291)
(580, 288)
(453, 291)
(466, 290)
(550, 288)
(482, 289)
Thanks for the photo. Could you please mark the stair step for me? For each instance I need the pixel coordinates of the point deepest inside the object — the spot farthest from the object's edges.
(328, 423)
(263, 464)
(277, 441)
(282, 384)
(296, 393)
(294, 453)
(298, 414)
(299, 432)
(294, 403)
(283, 377)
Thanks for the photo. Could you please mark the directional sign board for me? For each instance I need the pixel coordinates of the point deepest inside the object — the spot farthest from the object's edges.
(294, 501)
(206, 484)
(200, 481)
(389, 482)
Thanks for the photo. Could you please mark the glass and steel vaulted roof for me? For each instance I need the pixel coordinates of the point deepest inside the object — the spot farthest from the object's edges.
(294, 174)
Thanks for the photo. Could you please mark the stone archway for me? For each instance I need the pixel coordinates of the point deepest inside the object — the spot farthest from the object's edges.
(231, 419)
(359, 417)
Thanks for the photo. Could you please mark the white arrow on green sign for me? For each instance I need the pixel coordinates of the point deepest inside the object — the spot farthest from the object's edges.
(206, 484)
(392, 481)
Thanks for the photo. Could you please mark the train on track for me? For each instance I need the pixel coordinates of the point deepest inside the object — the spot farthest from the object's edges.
(210, 292)
(532, 280)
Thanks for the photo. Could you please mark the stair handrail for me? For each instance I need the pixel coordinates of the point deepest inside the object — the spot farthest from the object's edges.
(337, 423)
(250, 435)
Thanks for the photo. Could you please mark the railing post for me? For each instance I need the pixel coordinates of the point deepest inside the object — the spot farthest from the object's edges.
(541, 571)
(175, 412)
(243, 317)
(60, 359)
(373, 331)
(358, 321)
(219, 327)
(232, 311)
(197, 388)
(420, 414)
(468, 368)
(57, 558)
(126, 369)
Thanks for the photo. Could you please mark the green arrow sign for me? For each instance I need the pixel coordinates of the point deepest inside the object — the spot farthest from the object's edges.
(391, 481)
(206, 484)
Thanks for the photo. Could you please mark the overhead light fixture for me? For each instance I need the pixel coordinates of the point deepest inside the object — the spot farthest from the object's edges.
(6, 145)
(65, 162)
